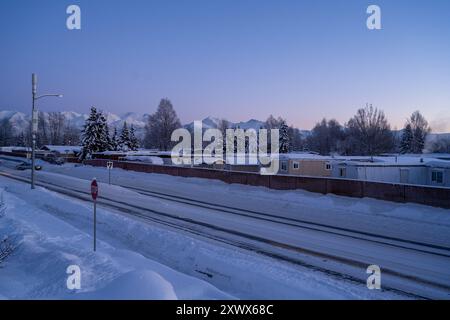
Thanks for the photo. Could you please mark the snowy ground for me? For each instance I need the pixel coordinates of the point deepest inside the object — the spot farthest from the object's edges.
(45, 245)
(51, 232)
(127, 244)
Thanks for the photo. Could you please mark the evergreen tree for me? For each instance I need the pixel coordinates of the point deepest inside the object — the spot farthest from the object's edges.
(134, 143)
(407, 139)
(21, 141)
(109, 142)
(115, 141)
(419, 131)
(95, 137)
(124, 139)
(284, 138)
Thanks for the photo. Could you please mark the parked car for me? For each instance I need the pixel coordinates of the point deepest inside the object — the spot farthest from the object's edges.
(53, 159)
(27, 166)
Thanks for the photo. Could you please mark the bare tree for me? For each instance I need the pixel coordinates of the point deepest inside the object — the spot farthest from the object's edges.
(56, 123)
(326, 137)
(42, 134)
(223, 125)
(71, 134)
(160, 126)
(5, 133)
(369, 132)
(272, 123)
(296, 138)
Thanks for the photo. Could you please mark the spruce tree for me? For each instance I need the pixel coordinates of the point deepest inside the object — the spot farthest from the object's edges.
(134, 143)
(124, 140)
(109, 142)
(115, 141)
(94, 136)
(284, 138)
(407, 139)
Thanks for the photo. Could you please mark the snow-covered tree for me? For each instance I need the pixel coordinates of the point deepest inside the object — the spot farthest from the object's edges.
(115, 140)
(124, 139)
(109, 143)
(420, 130)
(284, 138)
(95, 135)
(134, 142)
(407, 139)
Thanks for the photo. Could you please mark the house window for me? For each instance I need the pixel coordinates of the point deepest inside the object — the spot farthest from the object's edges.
(296, 164)
(437, 176)
(342, 172)
(327, 166)
(284, 166)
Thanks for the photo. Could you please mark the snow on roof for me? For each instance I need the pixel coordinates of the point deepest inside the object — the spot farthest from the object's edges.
(315, 156)
(11, 148)
(401, 160)
(439, 164)
(148, 159)
(62, 149)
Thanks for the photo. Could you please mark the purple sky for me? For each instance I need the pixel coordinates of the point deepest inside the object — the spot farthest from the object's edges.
(236, 59)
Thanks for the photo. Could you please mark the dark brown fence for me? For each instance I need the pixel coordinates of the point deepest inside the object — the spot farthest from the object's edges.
(433, 196)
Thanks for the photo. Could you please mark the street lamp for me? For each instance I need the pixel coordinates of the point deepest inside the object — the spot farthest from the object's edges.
(34, 121)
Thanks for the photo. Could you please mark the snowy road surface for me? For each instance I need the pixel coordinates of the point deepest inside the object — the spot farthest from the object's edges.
(409, 242)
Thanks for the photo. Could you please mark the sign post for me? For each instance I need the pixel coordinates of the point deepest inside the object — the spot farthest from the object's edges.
(94, 194)
(109, 165)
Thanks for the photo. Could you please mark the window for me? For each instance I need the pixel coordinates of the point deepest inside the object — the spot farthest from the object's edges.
(437, 176)
(284, 166)
(296, 164)
(327, 166)
(342, 172)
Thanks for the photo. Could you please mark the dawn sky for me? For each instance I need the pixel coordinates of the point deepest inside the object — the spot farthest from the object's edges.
(302, 60)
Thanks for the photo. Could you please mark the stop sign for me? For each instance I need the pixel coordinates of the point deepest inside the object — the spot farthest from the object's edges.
(94, 189)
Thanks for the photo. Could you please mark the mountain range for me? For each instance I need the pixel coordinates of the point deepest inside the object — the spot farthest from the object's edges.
(20, 121)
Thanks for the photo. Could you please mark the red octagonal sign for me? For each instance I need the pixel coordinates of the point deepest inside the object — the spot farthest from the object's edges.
(94, 189)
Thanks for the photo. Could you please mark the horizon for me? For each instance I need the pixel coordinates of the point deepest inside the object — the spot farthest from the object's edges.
(232, 60)
(141, 115)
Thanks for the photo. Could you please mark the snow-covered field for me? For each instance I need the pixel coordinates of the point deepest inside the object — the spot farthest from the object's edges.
(52, 231)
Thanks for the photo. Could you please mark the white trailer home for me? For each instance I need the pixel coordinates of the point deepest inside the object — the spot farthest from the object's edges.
(420, 172)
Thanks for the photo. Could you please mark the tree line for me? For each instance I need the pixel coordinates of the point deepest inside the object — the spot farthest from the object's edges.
(368, 132)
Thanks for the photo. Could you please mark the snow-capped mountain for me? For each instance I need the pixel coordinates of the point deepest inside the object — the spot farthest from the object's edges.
(20, 121)
(213, 123)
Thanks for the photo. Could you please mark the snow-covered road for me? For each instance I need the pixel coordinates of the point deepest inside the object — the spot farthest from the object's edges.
(406, 265)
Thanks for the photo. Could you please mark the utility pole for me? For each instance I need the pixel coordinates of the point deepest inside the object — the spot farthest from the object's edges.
(34, 122)
(33, 127)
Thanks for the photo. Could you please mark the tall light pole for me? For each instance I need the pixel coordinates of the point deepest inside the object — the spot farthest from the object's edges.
(34, 121)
